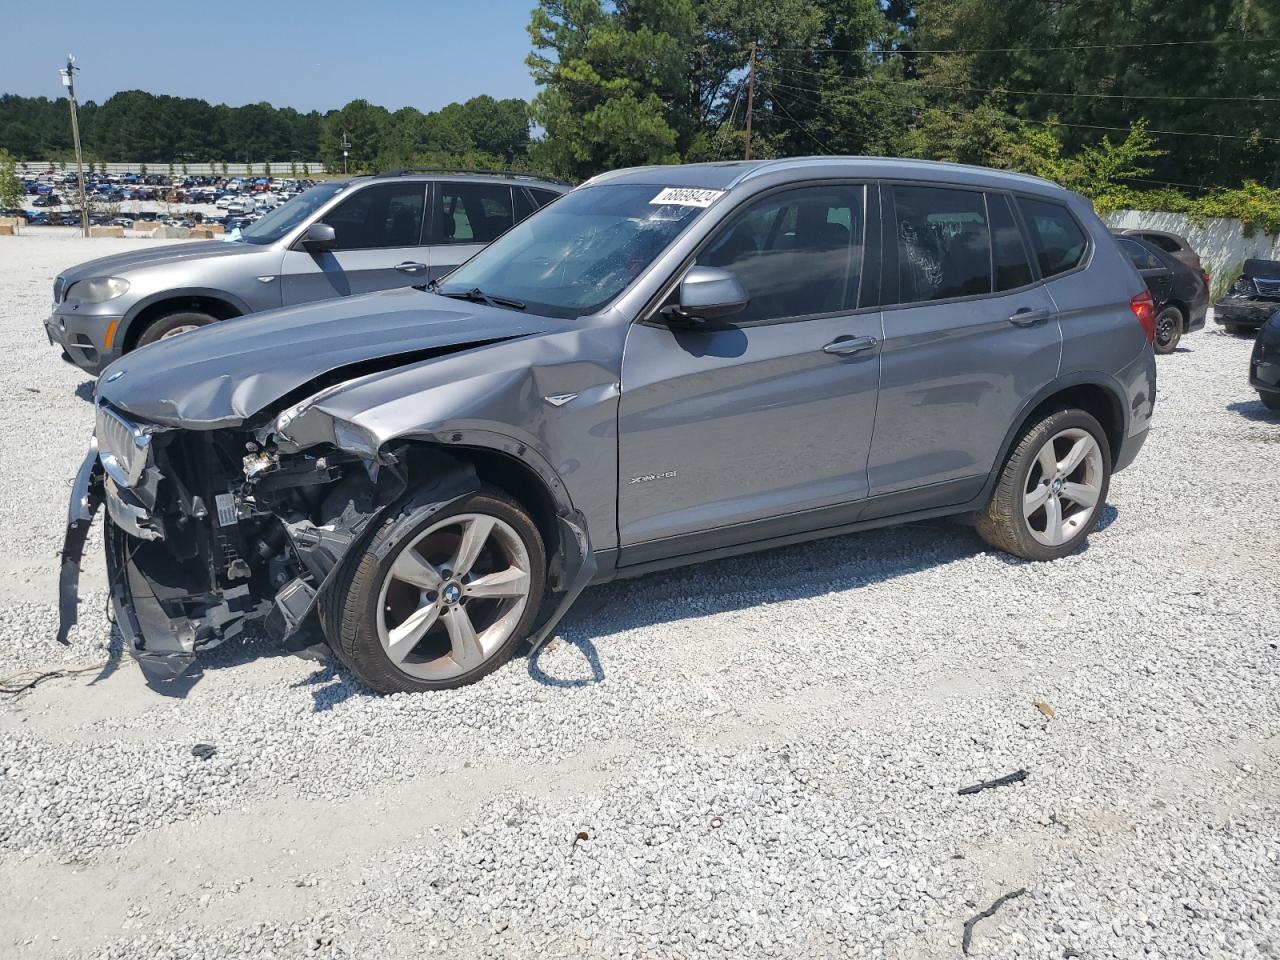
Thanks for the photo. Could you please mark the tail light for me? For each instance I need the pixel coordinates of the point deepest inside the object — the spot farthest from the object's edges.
(1205, 274)
(1144, 308)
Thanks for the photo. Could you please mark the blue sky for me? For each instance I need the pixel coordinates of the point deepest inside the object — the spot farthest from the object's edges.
(316, 55)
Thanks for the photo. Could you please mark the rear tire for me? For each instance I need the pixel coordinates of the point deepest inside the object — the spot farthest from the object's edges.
(174, 324)
(1052, 488)
(415, 609)
(1270, 400)
(1169, 327)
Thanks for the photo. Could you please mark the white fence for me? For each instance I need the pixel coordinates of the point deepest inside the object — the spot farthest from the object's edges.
(1221, 242)
(279, 168)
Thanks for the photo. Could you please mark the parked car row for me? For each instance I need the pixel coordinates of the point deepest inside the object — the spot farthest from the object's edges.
(664, 365)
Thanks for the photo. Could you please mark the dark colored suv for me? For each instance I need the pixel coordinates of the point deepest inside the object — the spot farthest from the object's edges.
(667, 365)
(336, 239)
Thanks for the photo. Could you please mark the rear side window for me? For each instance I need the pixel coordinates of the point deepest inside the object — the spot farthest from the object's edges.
(944, 243)
(1142, 258)
(1059, 241)
(1013, 266)
(472, 212)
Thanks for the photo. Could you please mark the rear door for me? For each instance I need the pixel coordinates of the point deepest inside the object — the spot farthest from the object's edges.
(379, 245)
(969, 335)
(466, 216)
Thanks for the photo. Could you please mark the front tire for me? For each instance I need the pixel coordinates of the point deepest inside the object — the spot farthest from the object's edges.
(440, 601)
(1169, 327)
(174, 324)
(1052, 488)
(1270, 400)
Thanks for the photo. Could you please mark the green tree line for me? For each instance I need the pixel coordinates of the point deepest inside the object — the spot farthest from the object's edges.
(135, 126)
(1158, 97)
(1022, 84)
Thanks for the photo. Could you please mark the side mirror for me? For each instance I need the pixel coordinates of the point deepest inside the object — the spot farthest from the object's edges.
(319, 237)
(708, 293)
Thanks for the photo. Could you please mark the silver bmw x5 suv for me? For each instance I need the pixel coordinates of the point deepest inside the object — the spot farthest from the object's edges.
(336, 239)
(667, 365)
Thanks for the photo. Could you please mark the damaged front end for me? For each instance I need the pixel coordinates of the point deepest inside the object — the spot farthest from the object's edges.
(210, 530)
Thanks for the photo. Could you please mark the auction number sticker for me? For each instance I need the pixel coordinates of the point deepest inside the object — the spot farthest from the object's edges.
(687, 197)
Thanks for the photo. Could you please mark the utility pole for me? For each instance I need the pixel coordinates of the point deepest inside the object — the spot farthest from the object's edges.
(751, 96)
(345, 147)
(69, 81)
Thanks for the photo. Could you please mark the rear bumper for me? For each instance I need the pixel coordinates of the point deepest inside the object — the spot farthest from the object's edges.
(1264, 371)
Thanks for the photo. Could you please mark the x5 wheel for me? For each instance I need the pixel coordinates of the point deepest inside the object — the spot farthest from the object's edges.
(1052, 488)
(440, 602)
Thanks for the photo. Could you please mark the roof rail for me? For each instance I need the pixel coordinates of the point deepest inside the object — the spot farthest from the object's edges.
(452, 171)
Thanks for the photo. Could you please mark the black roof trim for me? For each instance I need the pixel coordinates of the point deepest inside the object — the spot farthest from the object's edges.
(453, 171)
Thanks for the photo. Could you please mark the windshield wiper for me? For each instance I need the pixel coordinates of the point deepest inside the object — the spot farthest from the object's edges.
(476, 295)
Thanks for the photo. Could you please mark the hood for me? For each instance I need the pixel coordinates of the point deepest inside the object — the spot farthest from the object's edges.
(1262, 269)
(223, 374)
(155, 256)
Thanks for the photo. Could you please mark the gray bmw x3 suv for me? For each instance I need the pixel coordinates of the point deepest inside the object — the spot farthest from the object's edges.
(667, 365)
(336, 239)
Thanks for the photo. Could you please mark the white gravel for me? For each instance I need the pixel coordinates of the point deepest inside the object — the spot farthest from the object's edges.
(762, 753)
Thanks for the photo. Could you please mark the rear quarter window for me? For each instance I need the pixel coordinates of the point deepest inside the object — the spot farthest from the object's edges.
(1060, 243)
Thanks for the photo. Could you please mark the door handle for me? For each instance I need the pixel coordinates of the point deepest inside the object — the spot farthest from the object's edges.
(844, 346)
(410, 266)
(1027, 317)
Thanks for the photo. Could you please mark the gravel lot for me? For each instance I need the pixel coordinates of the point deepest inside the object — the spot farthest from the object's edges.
(758, 757)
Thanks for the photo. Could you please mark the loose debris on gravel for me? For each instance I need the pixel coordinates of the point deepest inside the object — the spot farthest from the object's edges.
(822, 703)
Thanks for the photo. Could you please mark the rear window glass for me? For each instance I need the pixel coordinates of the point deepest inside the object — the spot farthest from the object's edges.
(1167, 244)
(944, 244)
(1059, 241)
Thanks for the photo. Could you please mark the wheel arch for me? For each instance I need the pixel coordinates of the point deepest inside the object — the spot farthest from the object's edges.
(515, 469)
(216, 303)
(1095, 393)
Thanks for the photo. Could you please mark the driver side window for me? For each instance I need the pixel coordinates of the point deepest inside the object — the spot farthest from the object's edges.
(384, 215)
(797, 253)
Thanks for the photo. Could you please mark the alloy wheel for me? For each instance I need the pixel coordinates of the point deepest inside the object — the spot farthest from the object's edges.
(185, 328)
(1063, 487)
(453, 595)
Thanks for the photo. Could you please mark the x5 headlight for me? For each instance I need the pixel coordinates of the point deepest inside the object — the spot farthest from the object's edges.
(97, 289)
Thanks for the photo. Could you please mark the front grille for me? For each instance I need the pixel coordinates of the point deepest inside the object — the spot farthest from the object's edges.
(122, 447)
(1268, 288)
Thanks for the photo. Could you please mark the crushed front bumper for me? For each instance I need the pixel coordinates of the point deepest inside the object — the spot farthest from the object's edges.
(1243, 311)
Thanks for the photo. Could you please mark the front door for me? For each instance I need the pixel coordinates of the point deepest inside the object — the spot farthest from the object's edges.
(379, 246)
(731, 434)
(972, 338)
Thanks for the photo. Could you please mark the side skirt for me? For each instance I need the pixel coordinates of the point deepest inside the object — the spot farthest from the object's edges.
(607, 561)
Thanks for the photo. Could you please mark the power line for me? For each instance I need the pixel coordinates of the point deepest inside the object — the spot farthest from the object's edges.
(1043, 93)
(807, 132)
(1048, 123)
(1073, 46)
